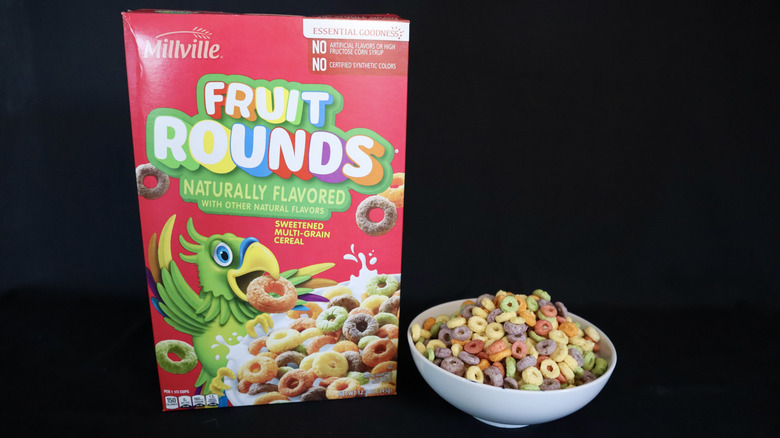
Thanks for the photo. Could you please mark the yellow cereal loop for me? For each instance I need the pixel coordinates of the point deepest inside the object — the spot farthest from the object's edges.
(456, 349)
(532, 351)
(436, 343)
(330, 364)
(588, 345)
(577, 340)
(494, 330)
(310, 332)
(506, 316)
(425, 334)
(373, 302)
(560, 352)
(566, 371)
(532, 376)
(570, 361)
(479, 337)
(283, 340)
(478, 311)
(456, 322)
(307, 361)
(477, 324)
(592, 333)
(487, 304)
(474, 373)
(335, 291)
(442, 318)
(416, 329)
(420, 347)
(558, 336)
(549, 369)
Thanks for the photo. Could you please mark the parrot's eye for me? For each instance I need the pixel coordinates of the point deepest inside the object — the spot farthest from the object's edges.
(222, 254)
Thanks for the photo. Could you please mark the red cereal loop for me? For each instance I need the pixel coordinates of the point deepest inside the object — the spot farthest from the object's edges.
(543, 327)
(519, 349)
(296, 382)
(549, 310)
(540, 359)
(474, 346)
(379, 351)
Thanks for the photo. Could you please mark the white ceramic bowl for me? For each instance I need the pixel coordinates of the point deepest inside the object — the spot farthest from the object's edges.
(506, 407)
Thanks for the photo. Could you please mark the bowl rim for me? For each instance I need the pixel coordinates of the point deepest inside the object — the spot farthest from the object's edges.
(586, 387)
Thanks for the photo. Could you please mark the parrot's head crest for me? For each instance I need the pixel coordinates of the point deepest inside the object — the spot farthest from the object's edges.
(227, 263)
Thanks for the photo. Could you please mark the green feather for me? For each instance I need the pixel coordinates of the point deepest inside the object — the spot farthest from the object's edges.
(213, 310)
(205, 302)
(224, 311)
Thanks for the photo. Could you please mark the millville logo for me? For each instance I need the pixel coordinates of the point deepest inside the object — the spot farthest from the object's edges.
(166, 45)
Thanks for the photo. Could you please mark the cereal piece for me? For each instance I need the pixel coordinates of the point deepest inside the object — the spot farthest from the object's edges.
(370, 227)
(509, 304)
(269, 398)
(335, 291)
(283, 340)
(330, 364)
(533, 376)
(260, 290)
(385, 285)
(474, 373)
(344, 387)
(318, 342)
(309, 333)
(188, 360)
(378, 352)
(162, 181)
(477, 324)
(385, 367)
(494, 376)
(549, 368)
(510, 383)
(494, 330)
(264, 320)
(314, 393)
(592, 334)
(456, 322)
(348, 302)
(331, 319)
(550, 385)
(374, 302)
(600, 367)
(391, 305)
(259, 388)
(259, 369)
(302, 324)
(546, 347)
(542, 327)
(358, 326)
(355, 362)
(541, 294)
(288, 357)
(395, 193)
(296, 382)
(386, 318)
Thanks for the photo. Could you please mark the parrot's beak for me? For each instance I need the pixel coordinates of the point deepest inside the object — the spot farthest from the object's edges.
(256, 260)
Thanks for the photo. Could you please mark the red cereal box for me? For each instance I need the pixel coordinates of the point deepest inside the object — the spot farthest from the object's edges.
(269, 155)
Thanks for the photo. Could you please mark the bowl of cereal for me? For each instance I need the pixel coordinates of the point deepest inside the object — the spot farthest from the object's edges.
(511, 360)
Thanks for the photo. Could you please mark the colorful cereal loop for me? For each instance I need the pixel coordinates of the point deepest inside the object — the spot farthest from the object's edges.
(474, 373)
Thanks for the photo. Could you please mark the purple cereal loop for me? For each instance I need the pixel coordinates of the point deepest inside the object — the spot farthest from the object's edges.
(453, 365)
(514, 338)
(515, 329)
(442, 352)
(466, 311)
(542, 302)
(491, 318)
(483, 296)
(546, 347)
(587, 376)
(562, 311)
(445, 335)
(494, 376)
(437, 361)
(573, 352)
(550, 385)
(461, 333)
(525, 362)
(510, 383)
(469, 358)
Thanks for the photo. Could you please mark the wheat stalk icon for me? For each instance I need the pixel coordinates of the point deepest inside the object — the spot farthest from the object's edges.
(197, 32)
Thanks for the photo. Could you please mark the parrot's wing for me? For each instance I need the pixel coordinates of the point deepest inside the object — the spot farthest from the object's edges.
(178, 303)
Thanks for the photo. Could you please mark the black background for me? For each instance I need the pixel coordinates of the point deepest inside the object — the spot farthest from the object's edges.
(620, 155)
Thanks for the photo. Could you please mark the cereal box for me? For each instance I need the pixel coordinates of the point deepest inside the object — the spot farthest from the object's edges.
(269, 154)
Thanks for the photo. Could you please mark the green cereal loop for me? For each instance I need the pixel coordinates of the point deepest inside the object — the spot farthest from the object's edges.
(545, 317)
(533, 306)
(578, 372)
(186, 353)
(282, 371)
(300, 349)
(536, 337)
(576, 347)
(331, 319)
(435, 329)
(386, 318)
(365, 340)
(542, 294)
(600, 367)
(382, 285)
(509, 304)
(590, 360)
(529, 387)
(511, 366)
(360, 377)
(430, 355)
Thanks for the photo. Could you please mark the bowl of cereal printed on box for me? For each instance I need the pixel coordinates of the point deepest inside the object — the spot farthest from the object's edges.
(511, 360)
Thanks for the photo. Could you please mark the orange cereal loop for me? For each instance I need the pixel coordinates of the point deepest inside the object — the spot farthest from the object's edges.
(379, 351)
(313, 312)
(269, 397)
(257, 345)
(395, 193)
(500, 367)
(568, 328)
(501, 355)
(243, 386)
(496, 347)
(385, 367)
(521, 305)
(389, 331)
(328, 380)
(483, 363)
(296, 382)
(541, 359)
(429, 323)
(302, 324)
(361, 309)
(344, 387)
(457, 341)
(343, 346)
(270, 295)
(260, 369)
(318, 342)
(529, 317)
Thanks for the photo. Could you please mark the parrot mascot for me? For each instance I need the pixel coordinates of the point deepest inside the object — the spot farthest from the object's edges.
(226, 264)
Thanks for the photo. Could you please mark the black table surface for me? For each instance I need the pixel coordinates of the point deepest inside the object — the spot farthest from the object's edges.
(80, 367)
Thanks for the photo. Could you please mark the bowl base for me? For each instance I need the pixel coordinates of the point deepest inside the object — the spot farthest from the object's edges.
(504, 425)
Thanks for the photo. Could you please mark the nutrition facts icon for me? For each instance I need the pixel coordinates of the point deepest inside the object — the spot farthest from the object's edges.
(198, 401)
(212, 400)
(171, 402)
(185, 401)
